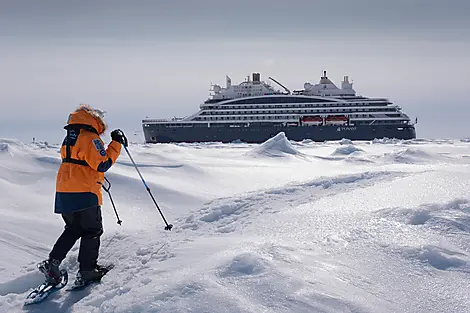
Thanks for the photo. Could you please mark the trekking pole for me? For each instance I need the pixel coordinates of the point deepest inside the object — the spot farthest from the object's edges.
(168, 226)
(111, 198)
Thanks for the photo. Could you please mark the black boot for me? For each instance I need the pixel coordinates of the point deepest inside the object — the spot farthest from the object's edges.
(85, 277)
(90, 275)
(50, 269)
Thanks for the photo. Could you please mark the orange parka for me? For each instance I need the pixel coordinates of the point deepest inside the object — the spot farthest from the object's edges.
(84, 162)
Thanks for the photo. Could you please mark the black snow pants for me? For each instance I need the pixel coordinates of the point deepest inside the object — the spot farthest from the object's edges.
(87, 225)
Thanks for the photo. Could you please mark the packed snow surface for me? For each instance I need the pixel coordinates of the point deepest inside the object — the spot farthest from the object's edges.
(372, 226)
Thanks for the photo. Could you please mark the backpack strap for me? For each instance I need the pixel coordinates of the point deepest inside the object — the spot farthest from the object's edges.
(73, 130)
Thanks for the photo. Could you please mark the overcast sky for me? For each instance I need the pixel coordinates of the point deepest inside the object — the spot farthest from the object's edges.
(158, 58)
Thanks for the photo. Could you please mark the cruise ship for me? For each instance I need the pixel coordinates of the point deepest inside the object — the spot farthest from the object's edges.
(254, 111)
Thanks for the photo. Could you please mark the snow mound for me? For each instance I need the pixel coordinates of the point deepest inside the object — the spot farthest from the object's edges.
(441, 258)
(9, 146)
(345, 141)
(387, 141)
(296, 143)
(277, 146)
(238, 141)
(447, 218)
(437, 257)
(244, 264)
(358, 159)
(347, 149)
(45, 145)
(411, 156)
(420, 217)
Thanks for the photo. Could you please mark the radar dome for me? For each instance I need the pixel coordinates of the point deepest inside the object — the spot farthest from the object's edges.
(308, 86)
(217, 88)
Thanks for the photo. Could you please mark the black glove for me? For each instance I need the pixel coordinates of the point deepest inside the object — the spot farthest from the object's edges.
(118, 135)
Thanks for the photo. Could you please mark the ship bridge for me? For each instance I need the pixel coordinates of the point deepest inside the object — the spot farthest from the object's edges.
(327, 88)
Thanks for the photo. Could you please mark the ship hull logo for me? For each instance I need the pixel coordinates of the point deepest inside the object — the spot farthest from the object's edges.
(345, 128)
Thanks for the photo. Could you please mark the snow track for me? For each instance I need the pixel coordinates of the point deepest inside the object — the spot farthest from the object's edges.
(226, 213)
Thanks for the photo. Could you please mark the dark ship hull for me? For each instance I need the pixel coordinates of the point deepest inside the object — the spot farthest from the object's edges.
(168, 133)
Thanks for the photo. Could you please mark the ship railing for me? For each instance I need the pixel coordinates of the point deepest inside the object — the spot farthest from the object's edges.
(175, 119)
(156, 120)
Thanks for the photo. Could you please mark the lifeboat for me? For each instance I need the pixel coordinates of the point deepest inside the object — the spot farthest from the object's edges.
(292, 124)
(312, 120)
(336, 120)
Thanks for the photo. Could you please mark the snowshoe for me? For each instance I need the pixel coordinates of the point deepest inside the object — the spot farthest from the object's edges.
(47, 288)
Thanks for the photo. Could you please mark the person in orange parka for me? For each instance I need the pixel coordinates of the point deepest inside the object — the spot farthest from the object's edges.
(78, 191)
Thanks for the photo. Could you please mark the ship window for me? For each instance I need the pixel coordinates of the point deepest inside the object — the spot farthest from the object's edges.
(281, 99)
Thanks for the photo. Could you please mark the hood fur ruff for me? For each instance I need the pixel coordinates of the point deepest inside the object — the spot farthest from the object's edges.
(97, 114)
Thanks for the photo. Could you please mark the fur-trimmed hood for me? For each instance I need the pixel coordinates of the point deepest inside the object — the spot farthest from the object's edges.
(86, 115)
